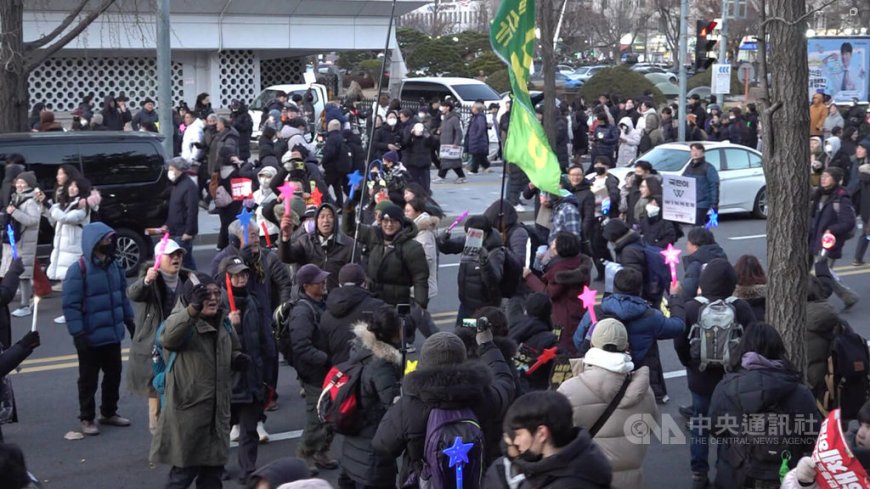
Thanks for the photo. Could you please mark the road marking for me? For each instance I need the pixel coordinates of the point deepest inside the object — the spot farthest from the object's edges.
(56, 366)
(59, 358)
(449, 265)
(753, 236)
(287, 435)
(675, 374)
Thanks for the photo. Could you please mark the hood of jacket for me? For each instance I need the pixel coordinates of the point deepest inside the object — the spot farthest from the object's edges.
(835, 145)
(510, 214)
(751, 292)
(283, 470)
(379, 349)
(652, 120)
(449, 387)
(341, 301)
(627, 122)
(92, 234)
(568, 199)
(705, 254)
(492, 241)
(579, 460)
(528, 326)
(577, 276)
(266, 148)
(407, 233)
(626, 239)
(337, 235)
(758, 390)
(718, 279)
(425, 222)
(625, 307)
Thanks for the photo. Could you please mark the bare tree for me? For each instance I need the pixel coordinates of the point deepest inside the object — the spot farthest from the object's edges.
(669, 17)
(18, 58)
(612, 19)
(547, 18)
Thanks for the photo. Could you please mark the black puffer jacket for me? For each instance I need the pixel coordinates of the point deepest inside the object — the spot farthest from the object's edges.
(336, 160)
(748, 392)
(831, 210)
(537, 335)
(309, 351)
(183, 217)
(694, 263)
(344, 307)
(329, 257)
(384, 136)
(479, 273)
(487, 391)
(416, 150)
(657, 231)
(244, 125)
(629, 252)
(254, 337)
(379, 385)
(578, 465)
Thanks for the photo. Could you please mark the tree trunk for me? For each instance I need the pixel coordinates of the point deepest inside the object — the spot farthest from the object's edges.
(548, 55)
(786, 153)
(13, 79)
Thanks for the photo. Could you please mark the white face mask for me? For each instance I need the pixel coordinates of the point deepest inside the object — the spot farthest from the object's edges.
(421, 115)
(828, 148)
(391, 122)
(172, 176)
(652, 210)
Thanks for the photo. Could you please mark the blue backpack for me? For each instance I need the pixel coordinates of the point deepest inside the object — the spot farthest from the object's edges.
(444, 428)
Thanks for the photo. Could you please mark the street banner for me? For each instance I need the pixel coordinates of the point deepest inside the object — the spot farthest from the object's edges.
(838, 67)
(836, 466)
(721, 81)
(678, 196)
(512, 36)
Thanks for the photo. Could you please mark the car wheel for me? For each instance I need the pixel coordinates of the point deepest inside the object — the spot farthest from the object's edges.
(759, 210)
(131, 251)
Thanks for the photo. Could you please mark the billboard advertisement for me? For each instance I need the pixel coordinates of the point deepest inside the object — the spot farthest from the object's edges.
(839, 67)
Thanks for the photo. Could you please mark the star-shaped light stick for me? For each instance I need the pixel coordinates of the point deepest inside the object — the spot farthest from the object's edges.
(410, 366)
(286, 191)
(544, 358)
(11, 233)
(317, 196)
(588, 299)
(458, 455)
(244, 218)
(672, 258)
(354, 179)
(712, 219)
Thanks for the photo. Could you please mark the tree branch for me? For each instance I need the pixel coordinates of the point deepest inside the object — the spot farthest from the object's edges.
(68, 20)
(802, 17)
(37, 57)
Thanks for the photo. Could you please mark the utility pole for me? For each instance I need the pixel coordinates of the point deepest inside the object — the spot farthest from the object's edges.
(681, 58)
(164, 76)
(723, 43)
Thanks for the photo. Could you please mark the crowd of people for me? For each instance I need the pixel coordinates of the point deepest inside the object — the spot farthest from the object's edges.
(333, 275)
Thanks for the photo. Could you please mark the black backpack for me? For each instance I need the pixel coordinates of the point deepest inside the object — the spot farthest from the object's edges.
(847, 382)
(281, 327)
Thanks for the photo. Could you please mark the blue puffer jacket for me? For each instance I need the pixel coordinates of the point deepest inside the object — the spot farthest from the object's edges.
(95, 300)
(644, 324)
(477, 139)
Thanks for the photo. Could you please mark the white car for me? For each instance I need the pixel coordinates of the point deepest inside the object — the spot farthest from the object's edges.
(741, 177)
(255, 109)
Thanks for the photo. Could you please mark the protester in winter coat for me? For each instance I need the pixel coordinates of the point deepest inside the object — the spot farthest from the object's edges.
(182, 221)
(629, 139)
(345, 305)
(835, 156)
(706, 183)
(23, 214)
(376, 347)
(628, 251)
(566, 216)
(417, 146)
(605, 138)
(598, 376)
(192, 141)
(581, 189)
(226, 136)
(701, 248)
(477, 140)
(832, 120)
(244, 125)
(751, 284)
(68, 220)
(450, 135)
(327, 247)
(393, 177)
(605, 187)
(718, 280)
(337, 163)
(231, 167)
(444, 379)
(534, 334)
(114, 116)
(631, 204)
(480, 269)
(822, 324)
(10, 358)
(654, 229)
(415, 211)
(8, 287)
(818, 114)
(861, 165)
(145, 117)
(764, 383)
(563, 280)
(387, 137)
(551, 452)
(263, 198)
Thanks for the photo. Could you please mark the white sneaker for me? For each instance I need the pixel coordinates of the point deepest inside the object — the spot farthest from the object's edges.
(520, 208)
(460, 180)
(234, 433)
(261, 430)
(437, 180)
(60, 320)
(23, 311)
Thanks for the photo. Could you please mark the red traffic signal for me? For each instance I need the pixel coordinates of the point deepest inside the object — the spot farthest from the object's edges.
(706, 28)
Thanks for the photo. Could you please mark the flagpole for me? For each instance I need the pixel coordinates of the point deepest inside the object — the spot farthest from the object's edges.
(503, 175)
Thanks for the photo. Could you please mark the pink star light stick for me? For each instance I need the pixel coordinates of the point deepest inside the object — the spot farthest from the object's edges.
(588, 299)
(286, 194)
(672, 258)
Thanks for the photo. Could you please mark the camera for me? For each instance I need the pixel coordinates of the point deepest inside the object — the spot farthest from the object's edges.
(480, 324)
(403, 309)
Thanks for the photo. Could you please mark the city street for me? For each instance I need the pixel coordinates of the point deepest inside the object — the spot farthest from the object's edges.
(118, 458)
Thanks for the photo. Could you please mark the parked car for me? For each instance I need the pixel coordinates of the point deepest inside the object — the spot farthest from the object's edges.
(565, 69)
(741, 188)
(645, 68)
(255, 109)
(703, 92)
(667, 83)
(562, 82)
(589, 73)
(126, 167)
(463, 90)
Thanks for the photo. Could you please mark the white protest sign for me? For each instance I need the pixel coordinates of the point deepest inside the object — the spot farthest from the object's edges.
(678, 194)
(473, 241)
(721, 79)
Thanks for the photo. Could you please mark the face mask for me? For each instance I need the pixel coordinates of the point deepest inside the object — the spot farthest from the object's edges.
(391, 122)
(652, 210)
(421, 115)
(107, 249)
(529, 456)
(600, 170)
(828, 148)
(732, 117)
(172, 176)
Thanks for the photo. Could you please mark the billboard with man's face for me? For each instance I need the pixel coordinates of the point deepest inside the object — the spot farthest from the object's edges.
(839, 67)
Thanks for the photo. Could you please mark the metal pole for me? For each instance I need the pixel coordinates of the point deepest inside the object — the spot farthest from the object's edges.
(559, 24)
(164, 76)
(682, 59)
(723, 45)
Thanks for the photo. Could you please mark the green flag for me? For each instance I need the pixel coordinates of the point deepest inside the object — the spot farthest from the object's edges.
(513, 39)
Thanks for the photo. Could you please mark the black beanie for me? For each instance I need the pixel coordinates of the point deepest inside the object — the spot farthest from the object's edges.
(538, 306)
(614, 229)
(718, 279)
(478, 222)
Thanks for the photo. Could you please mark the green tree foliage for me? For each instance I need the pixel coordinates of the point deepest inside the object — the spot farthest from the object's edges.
(499, 81)
(704, 78)
(437, 57)
(409, 39)
(619, 81)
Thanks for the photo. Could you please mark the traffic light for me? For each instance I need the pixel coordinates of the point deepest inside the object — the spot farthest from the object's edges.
(703, 44)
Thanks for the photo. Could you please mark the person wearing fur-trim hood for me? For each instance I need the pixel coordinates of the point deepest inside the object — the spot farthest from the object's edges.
(629, 139)
(375, 346)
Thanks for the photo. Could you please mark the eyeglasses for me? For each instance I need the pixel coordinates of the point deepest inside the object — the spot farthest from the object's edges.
(214, 292)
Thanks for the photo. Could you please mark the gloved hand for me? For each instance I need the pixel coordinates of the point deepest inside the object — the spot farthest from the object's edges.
(131, 326)
(30, 340)
(199, 296)
(482, 255)
(16, 266)
(240, 363)
(806, 470)
(80, 342)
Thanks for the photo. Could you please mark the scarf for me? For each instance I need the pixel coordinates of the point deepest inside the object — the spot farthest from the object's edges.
(755, 361)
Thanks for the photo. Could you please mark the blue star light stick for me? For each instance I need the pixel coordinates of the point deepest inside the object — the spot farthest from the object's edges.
(244, 218)
(605, 206)
(458, 454)
(712, 219)
(354, 180)
(11, 233)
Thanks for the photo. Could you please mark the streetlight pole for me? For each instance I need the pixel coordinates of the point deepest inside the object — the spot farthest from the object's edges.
(164, 77)
(682, 59)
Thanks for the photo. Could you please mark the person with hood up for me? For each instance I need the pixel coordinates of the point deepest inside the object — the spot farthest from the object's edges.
(832, 120)
(835, 156)
(244, 125)
(154, 295)
(831, 212)
(629, 139)
(605, 137)
(862, 164)
(751, 284)
(534, 334)
(701, 248)
(376, 346)
(23, 215)
(346, 305)
(446, 379)
(763, 384)
(628, 251)
(396, 262)
(545, 450)
(97, 311)
(427, 226)
(266, 148)
(387, 137)
(327, 247)
(480, 268)
(718, 281)
(598, 379)
(115, 113)
(515, 236)
(450, 135)
(563, 280)
(818, 114)
(706, 183)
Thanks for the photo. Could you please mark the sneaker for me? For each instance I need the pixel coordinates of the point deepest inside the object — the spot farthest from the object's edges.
(664, 399)
(460, 180)
(471, 172)
(437, 180)
(60, 320)
(90, 428)
(322, 461)
(488, 170)
(520, 208)
(858, 263)
(700, 481)
(409, 348)
(234, 433)
(114, 421)
(23, 311)
(686, 411)
(261, 431)
(272, 406)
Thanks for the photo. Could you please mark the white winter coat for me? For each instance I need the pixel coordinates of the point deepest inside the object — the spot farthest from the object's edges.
(68, 223)
(27, 213)
(426, 227)
(628, 143)
(192, 134)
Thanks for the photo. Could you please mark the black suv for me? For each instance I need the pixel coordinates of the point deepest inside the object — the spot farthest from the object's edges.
(126, 167)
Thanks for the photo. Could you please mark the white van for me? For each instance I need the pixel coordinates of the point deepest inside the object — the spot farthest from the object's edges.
(255, 109)
(463, 90)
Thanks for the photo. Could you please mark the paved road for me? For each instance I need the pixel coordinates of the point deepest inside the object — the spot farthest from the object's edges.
(46, 385)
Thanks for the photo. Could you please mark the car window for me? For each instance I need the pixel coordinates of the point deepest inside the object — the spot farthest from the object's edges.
(314, 93)
(754, 160)
(714, 157)
(669, 159)
(415, 91)
(116, 164)
(737, 159)
(261, 99)
(470, 93)
(44, 160)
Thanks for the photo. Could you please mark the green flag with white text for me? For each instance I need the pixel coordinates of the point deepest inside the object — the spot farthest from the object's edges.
(513, 39)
